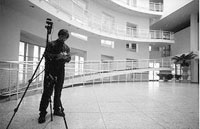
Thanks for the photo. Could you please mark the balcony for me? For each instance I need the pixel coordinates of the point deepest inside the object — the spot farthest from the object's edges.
(92, 22)
(156, 7)
(149, 34)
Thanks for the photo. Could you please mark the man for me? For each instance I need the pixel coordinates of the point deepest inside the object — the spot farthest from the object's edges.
(57, 53)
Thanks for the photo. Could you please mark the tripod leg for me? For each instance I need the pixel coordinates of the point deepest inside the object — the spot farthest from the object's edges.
(51, 108)
(62, 109)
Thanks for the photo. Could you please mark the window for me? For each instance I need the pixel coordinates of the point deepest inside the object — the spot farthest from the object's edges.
(165, 50)
(79, 65)
(21, 58)
(131, 29)
(107, 43)
(35, 56)
(150, 48)
(29, 52)
(21, 51)
(132, 47)
(131, 3)
(153, 74)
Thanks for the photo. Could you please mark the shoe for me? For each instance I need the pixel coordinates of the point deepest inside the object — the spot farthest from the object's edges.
(42, 117)
(59, 113)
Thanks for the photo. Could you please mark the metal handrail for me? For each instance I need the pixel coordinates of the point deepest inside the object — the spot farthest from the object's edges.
(153, 6)
(11, 72)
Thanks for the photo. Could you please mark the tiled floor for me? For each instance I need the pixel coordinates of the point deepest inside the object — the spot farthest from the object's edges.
(138, 105)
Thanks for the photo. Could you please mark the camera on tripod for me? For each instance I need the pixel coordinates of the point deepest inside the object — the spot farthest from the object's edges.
(49, 21)
(49, 25)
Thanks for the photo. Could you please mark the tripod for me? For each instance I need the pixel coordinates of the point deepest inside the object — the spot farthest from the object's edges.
(48, 27)
(52, 82)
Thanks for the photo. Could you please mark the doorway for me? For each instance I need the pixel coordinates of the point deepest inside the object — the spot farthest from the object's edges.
(153, 74)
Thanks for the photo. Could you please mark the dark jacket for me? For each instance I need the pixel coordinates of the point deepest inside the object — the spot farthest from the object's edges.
(53, 55)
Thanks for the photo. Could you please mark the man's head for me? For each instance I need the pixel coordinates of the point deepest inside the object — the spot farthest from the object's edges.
(63, 34)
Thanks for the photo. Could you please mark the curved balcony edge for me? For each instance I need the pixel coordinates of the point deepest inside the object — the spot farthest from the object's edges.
(155, 9)
(115, 34)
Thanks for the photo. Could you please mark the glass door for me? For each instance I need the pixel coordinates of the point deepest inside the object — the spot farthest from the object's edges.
(153, 74)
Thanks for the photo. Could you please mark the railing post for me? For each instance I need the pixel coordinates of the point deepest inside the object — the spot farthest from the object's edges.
(131, 64)
(72, 81)
(9, 70)
(100, 72)
(17, 81)
(126, 78)
(93, 82)
(108, 65)
(83, 79)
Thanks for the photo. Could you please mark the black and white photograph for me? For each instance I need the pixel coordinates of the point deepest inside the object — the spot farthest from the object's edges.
(99, 64)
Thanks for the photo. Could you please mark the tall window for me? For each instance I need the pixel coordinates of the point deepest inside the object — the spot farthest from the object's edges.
(21, 59)
(21, 51)
(42, 49)
(35, 56)
(79, 63)
(28, 52)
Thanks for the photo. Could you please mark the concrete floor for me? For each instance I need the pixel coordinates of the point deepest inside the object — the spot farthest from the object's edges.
(138, 105)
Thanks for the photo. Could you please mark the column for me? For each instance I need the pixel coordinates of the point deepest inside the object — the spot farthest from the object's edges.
(194, 45)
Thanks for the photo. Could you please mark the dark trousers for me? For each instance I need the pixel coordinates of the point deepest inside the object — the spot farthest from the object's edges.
(53, 79)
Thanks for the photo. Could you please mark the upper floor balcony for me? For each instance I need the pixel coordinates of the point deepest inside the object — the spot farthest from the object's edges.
(145, 7)
(91, 22)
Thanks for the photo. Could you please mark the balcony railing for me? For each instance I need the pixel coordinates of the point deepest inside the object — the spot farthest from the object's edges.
(157, 7)
(14, 76)
(92, 22)
(152, 34)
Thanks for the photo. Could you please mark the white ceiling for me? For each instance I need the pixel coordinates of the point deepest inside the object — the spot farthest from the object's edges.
(179, 19)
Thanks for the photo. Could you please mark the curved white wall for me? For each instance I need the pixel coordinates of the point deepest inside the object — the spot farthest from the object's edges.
(13, 22)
